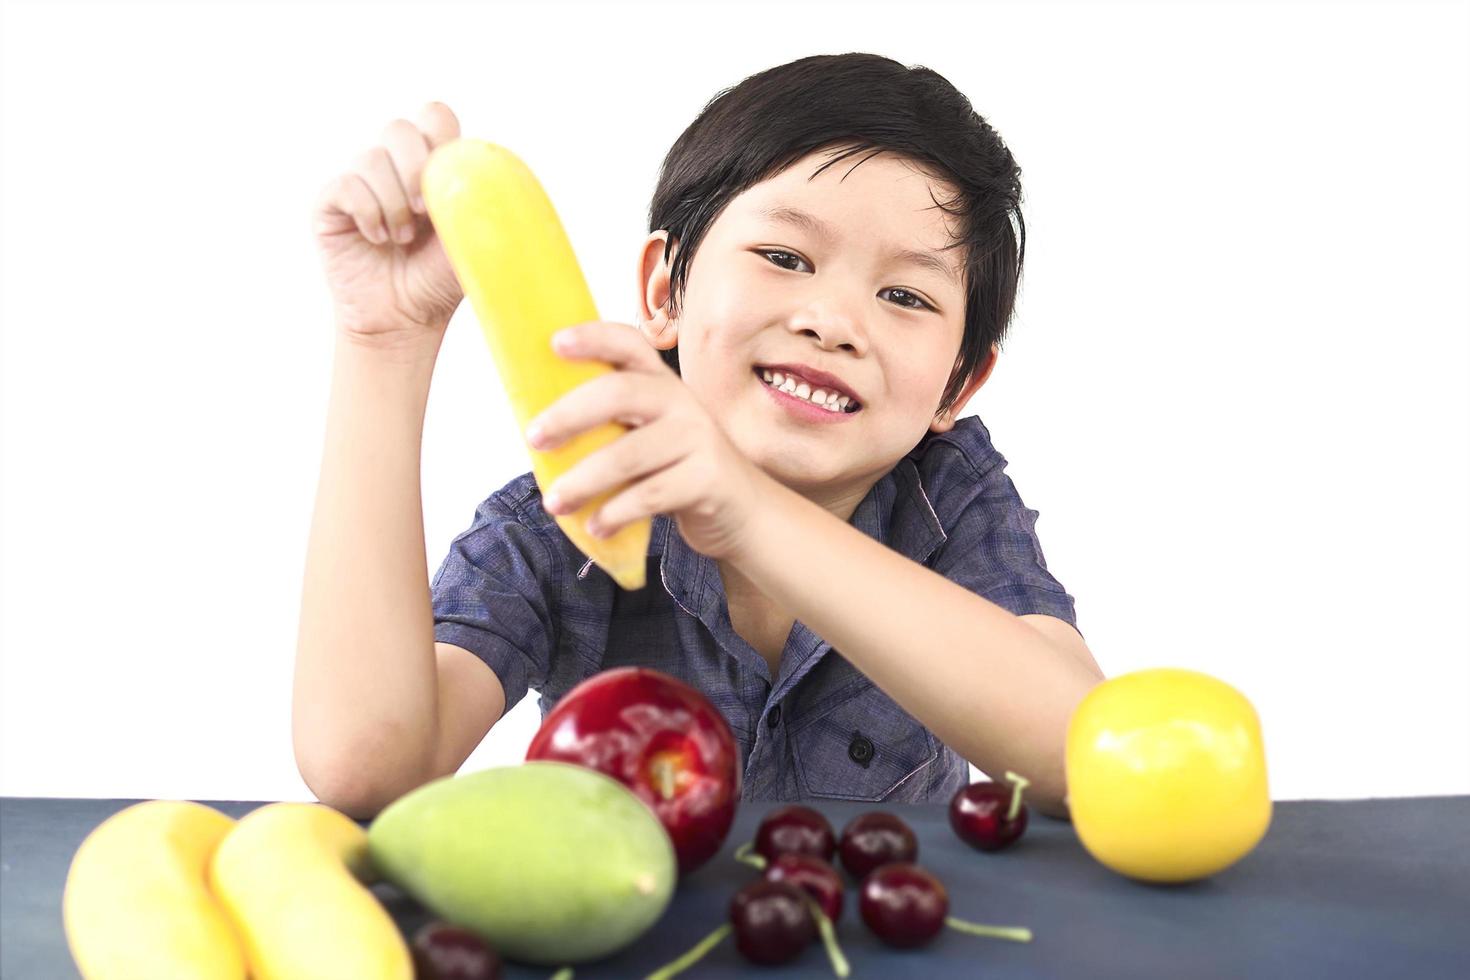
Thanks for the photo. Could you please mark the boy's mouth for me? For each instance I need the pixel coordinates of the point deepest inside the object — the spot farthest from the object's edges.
(833, 402)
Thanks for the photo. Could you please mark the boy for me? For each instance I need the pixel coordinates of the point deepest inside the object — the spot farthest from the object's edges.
(837, 561)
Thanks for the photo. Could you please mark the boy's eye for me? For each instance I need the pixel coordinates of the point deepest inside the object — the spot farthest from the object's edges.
(918, 303)
(788, 255)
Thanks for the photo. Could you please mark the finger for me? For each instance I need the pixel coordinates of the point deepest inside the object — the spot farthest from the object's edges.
(665, 492)
(627, 459)
(618, 344)
(375, 167)
(347, 204)
(438, 123)
(618, 396)
(408, 149)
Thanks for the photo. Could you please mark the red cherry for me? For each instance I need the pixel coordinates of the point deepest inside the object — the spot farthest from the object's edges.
(989, 816)
(819, 878)
(795, 829)
(777, 915)
(442, 951)
(772, 921)
(874, 839)
(903, 904)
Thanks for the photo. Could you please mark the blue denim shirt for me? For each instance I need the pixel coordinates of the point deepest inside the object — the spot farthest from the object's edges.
(517, 593)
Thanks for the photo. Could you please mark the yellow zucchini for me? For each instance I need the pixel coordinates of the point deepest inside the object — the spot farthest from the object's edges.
(513, 259)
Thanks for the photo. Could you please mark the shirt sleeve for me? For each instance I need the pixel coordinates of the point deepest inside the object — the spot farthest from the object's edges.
(491, 595)
(992, 550)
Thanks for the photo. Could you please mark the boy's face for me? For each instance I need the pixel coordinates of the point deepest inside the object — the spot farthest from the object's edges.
(888, 328)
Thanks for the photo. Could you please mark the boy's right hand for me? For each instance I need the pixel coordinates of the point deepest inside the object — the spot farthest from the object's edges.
(387, 292)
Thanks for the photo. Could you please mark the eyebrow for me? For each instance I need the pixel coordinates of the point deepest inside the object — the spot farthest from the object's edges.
(816, 226)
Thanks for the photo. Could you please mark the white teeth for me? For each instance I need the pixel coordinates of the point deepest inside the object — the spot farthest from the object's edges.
(831, 401)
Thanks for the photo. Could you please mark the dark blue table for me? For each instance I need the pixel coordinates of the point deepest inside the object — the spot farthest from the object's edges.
(1361, 888)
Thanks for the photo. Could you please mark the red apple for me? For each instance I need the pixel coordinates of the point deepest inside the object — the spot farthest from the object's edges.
(663, 740)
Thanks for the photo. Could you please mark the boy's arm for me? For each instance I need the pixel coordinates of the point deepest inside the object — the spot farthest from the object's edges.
(998, 688)
(370, 716)
(1064, 637)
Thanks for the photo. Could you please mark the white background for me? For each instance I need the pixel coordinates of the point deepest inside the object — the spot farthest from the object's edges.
(1236, 389)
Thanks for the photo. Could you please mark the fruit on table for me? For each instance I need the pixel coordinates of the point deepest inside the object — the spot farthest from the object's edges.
(795, 829)
(136, 902)
(989, 816)
(514, 261)
(549, 862)
(663, 740)
(873, 839)
(772, 921)
(905, 906)
(443, 951)
(818, 878)
(294, 877)
(767, 928)
(1166, 774)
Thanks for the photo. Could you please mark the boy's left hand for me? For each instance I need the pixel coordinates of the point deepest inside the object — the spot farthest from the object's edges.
(676, 458)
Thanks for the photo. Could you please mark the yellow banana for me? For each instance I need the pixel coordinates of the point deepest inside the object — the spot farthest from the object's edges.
(294, 877)
(512, 257)
(136, 905)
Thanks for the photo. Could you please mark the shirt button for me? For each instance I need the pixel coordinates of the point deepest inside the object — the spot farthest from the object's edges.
(774, 718)
(861, 750)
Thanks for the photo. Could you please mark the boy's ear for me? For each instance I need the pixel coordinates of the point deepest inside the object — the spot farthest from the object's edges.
(944, 421)
(653, 294)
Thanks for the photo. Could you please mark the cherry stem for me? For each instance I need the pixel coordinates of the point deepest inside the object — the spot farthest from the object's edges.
(1019, 934)
(1021, 783)
(742, 854)
(829, 938)
(693, 956)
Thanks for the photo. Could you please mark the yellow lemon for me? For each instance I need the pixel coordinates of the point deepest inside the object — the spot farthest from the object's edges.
(1166, 775)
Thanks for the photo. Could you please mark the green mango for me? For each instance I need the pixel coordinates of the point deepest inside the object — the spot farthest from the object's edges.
(550, 862)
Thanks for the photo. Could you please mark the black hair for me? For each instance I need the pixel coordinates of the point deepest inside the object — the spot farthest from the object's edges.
(756, 129)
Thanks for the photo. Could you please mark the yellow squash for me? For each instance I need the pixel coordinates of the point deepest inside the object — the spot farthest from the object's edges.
(512, 257)
(136, 904)
(294, 877)
(1166, 775)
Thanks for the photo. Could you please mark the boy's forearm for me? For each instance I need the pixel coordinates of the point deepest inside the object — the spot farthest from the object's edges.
(364, 698)
(982, 680)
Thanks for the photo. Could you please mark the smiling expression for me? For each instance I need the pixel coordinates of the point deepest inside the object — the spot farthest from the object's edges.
(843, 274)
